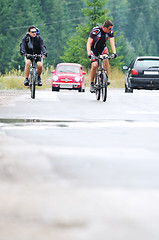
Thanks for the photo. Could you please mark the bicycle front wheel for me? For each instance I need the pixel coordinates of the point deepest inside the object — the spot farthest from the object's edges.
(97, 87)
(104, 86)
(32, 84)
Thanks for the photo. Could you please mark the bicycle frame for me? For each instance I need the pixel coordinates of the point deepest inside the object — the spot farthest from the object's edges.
(101, 80)
(100, 68)
(33, 73)
(33, 68)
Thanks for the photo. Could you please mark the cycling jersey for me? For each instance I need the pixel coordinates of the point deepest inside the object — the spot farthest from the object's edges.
(99, 38)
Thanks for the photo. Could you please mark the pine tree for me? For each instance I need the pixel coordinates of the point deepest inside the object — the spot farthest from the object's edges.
(153, 25)
(4, 35)
(152, 50)
(117, 11)
(134, 10)
(74, 11)
(76, 47)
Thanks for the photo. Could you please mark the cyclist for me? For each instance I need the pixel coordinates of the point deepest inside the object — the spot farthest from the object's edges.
(32, 43)
(96, 45)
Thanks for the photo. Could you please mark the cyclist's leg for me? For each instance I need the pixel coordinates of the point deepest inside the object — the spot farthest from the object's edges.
(93, 65)
(27, 71)
(106, 61)
(40, 68)
(93, 74)
(93, 71)
(27, 67)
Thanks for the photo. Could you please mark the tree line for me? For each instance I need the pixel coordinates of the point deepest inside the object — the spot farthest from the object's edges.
(65, 25)
(57, 21)
(136, 21)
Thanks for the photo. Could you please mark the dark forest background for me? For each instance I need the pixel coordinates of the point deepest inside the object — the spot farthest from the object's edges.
(64, 25)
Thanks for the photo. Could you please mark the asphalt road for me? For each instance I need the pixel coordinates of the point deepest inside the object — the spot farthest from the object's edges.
(73, 168)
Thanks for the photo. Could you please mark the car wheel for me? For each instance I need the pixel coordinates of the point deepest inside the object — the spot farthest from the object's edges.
(80, 89)
(126, 89)
(55, 89)
(131, 90)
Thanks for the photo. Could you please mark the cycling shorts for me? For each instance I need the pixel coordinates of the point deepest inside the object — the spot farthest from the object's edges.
(38, 59)
(97, 52)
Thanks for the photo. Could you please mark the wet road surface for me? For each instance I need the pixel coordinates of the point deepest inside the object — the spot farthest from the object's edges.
(76, 168)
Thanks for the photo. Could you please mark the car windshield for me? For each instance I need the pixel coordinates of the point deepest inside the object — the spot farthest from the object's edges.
(68, 69)
(147, 63)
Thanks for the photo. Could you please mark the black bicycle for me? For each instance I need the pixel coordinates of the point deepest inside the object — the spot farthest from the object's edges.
(33, 73)
(101, 79)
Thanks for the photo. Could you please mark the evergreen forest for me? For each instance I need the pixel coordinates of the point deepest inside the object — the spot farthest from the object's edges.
(65, 25)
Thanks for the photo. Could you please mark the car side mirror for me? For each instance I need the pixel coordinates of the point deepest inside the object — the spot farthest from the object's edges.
(125, 68)
(83, 72)
(53, 71)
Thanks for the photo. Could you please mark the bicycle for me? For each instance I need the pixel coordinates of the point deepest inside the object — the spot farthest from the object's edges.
(33, 73)
(101, 79)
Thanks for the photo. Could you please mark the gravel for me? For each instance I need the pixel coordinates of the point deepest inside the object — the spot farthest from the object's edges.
(6, 96)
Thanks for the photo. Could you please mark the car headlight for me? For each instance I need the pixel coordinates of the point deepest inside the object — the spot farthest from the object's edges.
(55, 78)
(77, 79)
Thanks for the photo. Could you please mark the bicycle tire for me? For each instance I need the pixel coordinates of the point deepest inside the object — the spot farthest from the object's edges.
(33, 81)
(104, 86)
(97, 87)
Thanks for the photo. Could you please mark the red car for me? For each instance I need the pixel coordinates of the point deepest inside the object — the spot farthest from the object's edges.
(68, 76)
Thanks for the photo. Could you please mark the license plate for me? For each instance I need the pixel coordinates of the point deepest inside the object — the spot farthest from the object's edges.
(66, 85)
(151, 72)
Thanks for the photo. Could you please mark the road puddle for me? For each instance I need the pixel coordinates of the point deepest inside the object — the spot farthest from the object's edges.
(108, 123)
(24, 122)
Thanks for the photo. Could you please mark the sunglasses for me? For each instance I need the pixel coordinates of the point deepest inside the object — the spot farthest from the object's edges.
(110, 28)
(33, 31)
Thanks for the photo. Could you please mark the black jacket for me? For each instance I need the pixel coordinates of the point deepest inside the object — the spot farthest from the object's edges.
(32, 45)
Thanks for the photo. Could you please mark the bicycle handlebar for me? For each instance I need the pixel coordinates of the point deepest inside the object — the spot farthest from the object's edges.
(34, 55)
(102, 57)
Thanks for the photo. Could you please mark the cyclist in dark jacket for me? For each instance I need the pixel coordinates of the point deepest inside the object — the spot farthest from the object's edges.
(96, 45)
(33, 44)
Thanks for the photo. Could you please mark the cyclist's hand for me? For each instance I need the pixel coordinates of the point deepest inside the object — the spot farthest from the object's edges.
(23, 53)
(89, 56)
(114, 55)
(43, 56)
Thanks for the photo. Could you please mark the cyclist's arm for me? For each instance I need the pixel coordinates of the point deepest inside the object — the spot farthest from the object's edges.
(112, 44)
(23, 46)
(43, 48)
(89, 43)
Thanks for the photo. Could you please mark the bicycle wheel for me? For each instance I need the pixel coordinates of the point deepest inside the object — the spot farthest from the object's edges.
(97, 87)
(32, 84)
(104, 86)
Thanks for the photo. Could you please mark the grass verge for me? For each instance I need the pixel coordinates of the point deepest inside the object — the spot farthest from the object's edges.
(15, 79)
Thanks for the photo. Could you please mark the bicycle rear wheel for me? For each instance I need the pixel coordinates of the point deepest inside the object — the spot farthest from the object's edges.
(32, 82)
(104, 86)
(97, 87)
